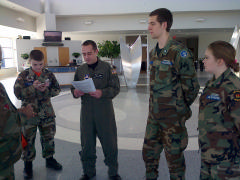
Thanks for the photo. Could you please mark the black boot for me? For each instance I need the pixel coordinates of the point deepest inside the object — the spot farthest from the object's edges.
(116, 177)
(28, 172)
(52, 163)
(86, 177)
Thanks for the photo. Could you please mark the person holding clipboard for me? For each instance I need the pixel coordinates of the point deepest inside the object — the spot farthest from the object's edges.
(97, 113)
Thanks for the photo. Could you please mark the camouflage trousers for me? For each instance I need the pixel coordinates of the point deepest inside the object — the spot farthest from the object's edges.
(7, 174)
(173, 138)
(219, 171)
(47, 132)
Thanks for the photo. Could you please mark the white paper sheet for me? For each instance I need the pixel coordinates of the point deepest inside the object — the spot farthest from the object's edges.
(85, 86)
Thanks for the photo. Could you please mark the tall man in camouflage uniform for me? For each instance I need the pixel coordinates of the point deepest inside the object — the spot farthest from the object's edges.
(36, 85)
(10, 132)
(173, 88)
(97, 114)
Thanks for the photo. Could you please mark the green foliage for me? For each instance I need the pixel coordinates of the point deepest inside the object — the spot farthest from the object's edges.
(25, 56)
(76, 54)
(109, 49)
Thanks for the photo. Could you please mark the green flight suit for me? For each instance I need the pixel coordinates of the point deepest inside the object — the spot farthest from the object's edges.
(219, 128)
(10, 136)
(45, 118)
(97, 117)
(173, 88)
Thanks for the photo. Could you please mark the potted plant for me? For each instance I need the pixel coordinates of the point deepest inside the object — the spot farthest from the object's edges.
(76, 54)
(25, 56)
(109, 49)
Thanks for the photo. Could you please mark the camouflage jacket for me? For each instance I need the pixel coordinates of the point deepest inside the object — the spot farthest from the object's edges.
(106, 79)
(10, 134)
(173, 82)
(40, 101)
(219, 117)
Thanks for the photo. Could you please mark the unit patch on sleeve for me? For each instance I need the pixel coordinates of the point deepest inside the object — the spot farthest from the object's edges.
(114, 71)
(236, 95)
(183, 53)
(86, 76)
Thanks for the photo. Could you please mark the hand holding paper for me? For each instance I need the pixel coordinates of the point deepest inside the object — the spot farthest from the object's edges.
(77, 93)
(97, 94)
(85, 86)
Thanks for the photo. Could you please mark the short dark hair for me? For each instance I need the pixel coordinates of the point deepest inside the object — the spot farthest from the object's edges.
(163, 15)
(36, 55)
(90, 42)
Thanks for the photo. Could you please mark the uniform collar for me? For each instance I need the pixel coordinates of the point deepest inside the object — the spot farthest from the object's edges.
(217, 82)
(31, 72)
(166, 48)
(95, 65)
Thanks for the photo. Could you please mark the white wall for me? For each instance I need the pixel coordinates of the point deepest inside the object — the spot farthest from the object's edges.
(25, 46)
(9, 17)
(101, 23)
(97, 37)
(206, 39)
(215, 19)
(181, 20)
(34, 5)
(98, 7)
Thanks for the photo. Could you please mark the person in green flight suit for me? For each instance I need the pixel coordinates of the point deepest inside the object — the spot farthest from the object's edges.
(173, 88)
(36, 85)
(10, 132)
(97, 113)
(219, 115)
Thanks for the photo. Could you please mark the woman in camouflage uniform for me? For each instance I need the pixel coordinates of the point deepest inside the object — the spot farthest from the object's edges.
(219, 114)
(10, 133)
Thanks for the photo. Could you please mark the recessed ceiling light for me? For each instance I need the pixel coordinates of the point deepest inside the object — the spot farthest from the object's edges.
(20, 19)
(200, 19)
(88, 22)
(143, 21)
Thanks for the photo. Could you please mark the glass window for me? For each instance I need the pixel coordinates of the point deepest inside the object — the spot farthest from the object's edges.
(7, 53)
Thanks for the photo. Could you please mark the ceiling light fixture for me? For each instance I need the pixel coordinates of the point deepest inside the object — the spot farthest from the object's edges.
(88, 22)
(143, 21)
(200, 19)
(20, 19)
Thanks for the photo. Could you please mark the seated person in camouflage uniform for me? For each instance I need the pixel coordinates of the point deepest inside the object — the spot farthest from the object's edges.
(10, 133)
(219, 115)
(36, 85)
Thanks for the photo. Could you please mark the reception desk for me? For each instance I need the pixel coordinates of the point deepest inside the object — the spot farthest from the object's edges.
(63, 74)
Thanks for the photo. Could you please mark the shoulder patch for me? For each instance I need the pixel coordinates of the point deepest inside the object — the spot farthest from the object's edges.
(86, 76)
(114, 71)
(183, 53)
(6, 106)
(236, 95)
